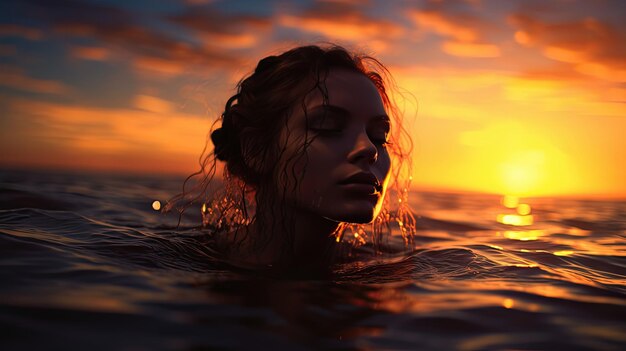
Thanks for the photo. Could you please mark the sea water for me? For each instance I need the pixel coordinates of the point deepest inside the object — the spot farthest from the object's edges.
(87, 264)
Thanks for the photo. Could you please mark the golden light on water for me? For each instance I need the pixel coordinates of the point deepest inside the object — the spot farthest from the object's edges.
(508, 303)
(523, 235)
(156, 205)
(523, 209)
(522, 217)
(516, 220)
(510, 201)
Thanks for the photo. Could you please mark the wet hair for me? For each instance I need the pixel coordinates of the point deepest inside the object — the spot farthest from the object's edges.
(246, 139)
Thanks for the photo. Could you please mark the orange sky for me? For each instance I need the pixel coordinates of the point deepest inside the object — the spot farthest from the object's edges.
(517, 97)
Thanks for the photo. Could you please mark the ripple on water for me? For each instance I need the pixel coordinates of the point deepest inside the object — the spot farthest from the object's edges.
(96, 264)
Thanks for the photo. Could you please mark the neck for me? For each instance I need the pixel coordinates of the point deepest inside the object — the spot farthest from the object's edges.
(295, 240)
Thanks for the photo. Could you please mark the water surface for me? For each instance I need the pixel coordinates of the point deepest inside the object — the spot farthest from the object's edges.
(85, 263)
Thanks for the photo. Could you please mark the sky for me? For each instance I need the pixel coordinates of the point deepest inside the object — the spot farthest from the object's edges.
(521, 97)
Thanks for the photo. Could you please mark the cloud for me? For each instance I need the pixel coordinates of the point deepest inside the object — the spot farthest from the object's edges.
(15, 78)
(558, 71)
(165, 67)
(342, 21)
(464, 49)
(461, 28)
(464, 32)
(197, 2)
(7, 50)
(216, 28)
(480, 95)
(15, 30)
(94, 53)
(115, 29)
(77, 136)
(153, 104)
(592, 47)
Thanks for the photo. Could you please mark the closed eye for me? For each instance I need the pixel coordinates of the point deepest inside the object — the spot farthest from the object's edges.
(327, 127)
(326, 122)
(379, 130)
(326, 131)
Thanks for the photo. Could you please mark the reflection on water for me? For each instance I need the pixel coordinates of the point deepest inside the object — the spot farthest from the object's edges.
(519, 219)
(516, 220)
(156, 205)
(88, 259)
(523, 235)
(508, 303)
(510, 201)
(523, 209)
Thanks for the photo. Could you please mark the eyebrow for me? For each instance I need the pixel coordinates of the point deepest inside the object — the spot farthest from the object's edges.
(345, 113)
(331, 108)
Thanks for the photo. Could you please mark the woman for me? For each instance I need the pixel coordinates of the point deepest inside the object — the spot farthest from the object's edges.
(310, 144)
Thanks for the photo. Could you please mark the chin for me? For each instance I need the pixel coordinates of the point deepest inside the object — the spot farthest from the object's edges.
(361, 220)
(359, 216)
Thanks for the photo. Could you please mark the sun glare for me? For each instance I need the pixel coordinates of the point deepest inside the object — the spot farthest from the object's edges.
(523, 235)
(521, 218)
(523, 209)
(516, 220)
(521, 174)
(510, 201)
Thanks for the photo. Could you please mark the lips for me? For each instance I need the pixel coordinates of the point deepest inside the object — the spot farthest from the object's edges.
(363, 181)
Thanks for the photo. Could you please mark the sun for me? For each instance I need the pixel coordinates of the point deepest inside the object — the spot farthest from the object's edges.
(521, 173)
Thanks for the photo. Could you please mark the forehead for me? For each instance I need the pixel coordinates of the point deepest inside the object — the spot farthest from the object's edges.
(352, 91)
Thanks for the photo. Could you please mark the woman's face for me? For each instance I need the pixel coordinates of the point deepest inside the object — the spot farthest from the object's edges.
(344, 174)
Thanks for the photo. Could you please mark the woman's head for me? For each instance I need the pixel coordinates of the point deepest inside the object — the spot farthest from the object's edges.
(312, 129)
(255, 116)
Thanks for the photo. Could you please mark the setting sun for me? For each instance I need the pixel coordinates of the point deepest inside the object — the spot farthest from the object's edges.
(521, 175)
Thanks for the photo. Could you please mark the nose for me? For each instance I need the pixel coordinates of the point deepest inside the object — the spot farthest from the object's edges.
(363, 149)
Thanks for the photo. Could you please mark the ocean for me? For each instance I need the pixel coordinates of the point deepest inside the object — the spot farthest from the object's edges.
(87, 264)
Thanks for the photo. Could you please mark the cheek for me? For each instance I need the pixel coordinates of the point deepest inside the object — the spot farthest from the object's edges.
(315, 167)
(314, 170)
(383, 165)
(300, 173)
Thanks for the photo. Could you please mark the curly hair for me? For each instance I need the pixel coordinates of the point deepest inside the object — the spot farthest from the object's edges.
(245, 138)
